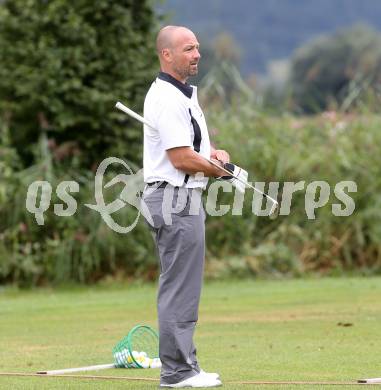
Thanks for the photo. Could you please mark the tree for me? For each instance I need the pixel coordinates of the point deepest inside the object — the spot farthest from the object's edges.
(335, 69)
(64, 64)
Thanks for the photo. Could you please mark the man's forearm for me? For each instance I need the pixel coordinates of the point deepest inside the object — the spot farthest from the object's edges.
(190, 162)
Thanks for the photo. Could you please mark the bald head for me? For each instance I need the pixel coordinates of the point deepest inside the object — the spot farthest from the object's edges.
(169, 36)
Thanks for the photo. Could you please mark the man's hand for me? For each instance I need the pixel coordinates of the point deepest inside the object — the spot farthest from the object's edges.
(221, 164)
(220, 155)
(238, 173)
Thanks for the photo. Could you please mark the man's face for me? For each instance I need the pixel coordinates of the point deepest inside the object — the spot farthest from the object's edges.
(185, 55)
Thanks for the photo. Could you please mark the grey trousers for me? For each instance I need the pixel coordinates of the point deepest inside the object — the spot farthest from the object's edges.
(178, 226)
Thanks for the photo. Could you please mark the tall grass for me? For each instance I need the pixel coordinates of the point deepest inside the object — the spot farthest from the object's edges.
(332, 146)
(78, 248)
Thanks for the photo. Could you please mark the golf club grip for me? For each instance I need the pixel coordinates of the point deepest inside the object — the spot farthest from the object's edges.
(370, 380)
(240, 180)
(133, 114)
(120, 106)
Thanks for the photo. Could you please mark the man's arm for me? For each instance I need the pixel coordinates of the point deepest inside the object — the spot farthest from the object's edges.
(187, 160)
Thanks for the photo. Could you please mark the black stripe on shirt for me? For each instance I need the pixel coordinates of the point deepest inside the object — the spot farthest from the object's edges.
(196, 140)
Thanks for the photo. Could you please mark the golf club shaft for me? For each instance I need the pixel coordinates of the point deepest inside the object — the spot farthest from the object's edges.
(141, 119)
(78, 369)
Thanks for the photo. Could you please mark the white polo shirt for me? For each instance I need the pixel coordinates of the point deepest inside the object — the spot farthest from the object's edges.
(172, 108)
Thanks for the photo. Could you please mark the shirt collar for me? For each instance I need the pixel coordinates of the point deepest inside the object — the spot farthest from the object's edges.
(186, 89)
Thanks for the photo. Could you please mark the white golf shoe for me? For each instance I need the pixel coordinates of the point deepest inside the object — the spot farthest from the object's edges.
(211, 374)
(199, 380)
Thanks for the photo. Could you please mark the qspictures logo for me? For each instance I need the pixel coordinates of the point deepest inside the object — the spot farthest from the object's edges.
(39, 196)
(317, 194)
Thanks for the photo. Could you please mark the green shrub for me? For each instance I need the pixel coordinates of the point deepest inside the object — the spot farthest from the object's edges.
(63, 66)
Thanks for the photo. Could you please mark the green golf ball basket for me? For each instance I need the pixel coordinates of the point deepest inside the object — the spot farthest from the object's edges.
(141, 340)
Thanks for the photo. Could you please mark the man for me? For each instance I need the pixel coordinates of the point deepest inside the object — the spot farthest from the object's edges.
(176, 173)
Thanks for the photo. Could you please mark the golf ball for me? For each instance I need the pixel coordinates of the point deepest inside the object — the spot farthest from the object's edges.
(144, 363)
(156, 363)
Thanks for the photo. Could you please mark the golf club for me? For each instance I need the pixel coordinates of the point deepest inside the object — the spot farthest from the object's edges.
(275, 206)
(370, 380)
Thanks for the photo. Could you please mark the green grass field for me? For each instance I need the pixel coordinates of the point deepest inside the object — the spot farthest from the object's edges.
(293, 330)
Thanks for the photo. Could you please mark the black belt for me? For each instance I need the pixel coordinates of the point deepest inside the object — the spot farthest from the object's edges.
(162, 185)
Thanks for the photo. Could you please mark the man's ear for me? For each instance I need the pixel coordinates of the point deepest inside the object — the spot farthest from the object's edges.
(167, 55)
